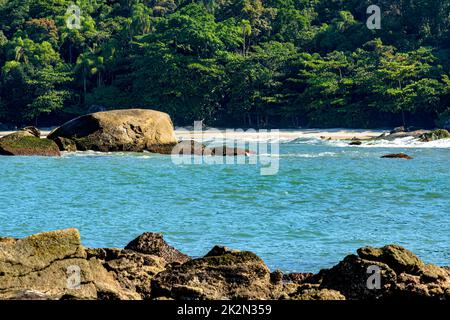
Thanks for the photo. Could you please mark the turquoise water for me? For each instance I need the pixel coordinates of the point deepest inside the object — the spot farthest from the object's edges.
(326, 201)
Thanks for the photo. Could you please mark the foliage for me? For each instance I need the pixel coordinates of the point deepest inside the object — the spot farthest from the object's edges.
(260, 63)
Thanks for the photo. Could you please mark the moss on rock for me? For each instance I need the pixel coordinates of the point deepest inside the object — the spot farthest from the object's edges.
(20, 145)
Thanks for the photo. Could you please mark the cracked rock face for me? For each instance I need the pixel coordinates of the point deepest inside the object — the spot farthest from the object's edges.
(221, 274)
(134, 130)
(402, 275)
(132, 270)
(54, 265)
(44, 265)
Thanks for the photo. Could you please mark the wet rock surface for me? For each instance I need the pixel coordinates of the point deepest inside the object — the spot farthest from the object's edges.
(154, 244)
(397, 156)
(45, 266)
(27, 142)
(221, 274)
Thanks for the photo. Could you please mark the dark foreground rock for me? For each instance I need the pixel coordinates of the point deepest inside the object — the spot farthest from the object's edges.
(131, 270)
(402, 275)
(45, 266)
(134, 130)
(221, 274)
(154, 244)
(27, 142)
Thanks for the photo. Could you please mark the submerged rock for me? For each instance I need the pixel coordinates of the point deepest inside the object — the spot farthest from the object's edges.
(27, 142)
(188, 147)
(226, 151)
(134, 130)
(435, 135)
(397, 156)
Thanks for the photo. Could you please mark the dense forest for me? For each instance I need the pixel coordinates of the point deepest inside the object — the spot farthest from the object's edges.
(258, 63)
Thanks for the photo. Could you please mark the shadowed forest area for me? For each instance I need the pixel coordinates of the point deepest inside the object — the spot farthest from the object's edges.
(248, 63)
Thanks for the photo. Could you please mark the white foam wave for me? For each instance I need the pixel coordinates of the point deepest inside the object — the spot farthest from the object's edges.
(407, 142)
(90, 153)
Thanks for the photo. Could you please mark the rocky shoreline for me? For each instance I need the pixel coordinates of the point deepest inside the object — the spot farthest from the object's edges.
(55, 265)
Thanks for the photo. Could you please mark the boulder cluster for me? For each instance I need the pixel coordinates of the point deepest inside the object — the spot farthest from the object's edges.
(55, 265)
(129, 130)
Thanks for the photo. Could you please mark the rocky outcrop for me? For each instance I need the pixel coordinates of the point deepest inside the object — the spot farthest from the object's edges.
(54, 265)
(154, 244)
(435, 135)
(133, 130)
(27, 142)
(402, 275)
(397, 156)
(396, 134)
(421, 135)
(221, 274)
(131, 270)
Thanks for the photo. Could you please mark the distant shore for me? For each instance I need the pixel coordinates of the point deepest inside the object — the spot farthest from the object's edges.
(291, 134)
(327, 134)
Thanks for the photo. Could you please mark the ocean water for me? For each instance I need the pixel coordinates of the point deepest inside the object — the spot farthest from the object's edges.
(327, 200)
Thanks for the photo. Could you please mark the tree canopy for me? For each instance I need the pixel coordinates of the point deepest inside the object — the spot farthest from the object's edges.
(260, 63)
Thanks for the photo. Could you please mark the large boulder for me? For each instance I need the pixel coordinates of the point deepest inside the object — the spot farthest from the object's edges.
(134, 130)
(27, 142)
(221, 274)
(54, 265)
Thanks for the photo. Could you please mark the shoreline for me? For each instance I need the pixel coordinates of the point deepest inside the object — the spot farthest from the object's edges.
(148, 268)
(291, 134)
(325, 134)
